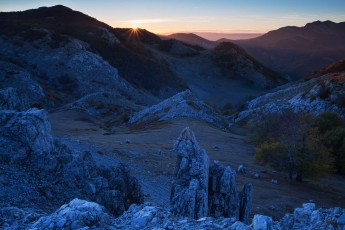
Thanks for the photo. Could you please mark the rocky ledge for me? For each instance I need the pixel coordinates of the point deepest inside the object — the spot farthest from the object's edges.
(184, 104)
(315, 96)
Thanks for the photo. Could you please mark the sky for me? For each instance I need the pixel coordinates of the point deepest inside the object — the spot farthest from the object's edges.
(215, 16)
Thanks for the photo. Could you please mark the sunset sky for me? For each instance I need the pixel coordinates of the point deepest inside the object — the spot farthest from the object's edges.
(221, 16)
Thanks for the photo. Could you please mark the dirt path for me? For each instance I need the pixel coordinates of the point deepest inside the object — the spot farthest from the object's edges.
(148, 153)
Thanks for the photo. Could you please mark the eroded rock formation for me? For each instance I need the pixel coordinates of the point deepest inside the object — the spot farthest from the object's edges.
(200, 191)
(189, 194)
(42, 169)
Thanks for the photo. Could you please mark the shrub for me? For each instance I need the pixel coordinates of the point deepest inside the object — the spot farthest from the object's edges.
(324, 92)
(290, 142)
(37, 105)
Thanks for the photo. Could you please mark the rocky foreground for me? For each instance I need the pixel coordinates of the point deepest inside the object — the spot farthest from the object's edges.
(39, 173)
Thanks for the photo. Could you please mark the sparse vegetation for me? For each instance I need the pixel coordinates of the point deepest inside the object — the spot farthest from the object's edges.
(291, 142)
(124, 117)
(37, 105)
(324, 92)
(331, 128)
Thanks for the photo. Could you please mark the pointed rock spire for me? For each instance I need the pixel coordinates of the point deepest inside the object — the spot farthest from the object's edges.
(189, 194)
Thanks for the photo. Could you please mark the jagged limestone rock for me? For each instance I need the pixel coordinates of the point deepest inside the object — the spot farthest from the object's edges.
(199, 191)
(261, 222)
(246, 197)
(10, 100)
(223, 198)
(23, 134)
(189, 194)
(75, 215)
(58, 171)
(183, 104)
(302, 215)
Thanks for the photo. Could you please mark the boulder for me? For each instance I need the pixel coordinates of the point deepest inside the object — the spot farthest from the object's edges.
(302, 215)
(261, 222)
(189, 194)
(75, 215)
(23, 134)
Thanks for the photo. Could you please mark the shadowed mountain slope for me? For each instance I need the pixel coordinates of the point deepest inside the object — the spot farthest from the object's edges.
(295, 51)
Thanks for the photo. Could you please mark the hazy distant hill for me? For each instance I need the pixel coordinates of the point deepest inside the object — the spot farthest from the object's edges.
(193, 39)
(295, 51)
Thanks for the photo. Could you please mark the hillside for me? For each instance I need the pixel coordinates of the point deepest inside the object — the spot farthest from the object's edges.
(224, 74)
(318, 95)
(120, 47)
(193, 39)
(295, 51)
(149, 66)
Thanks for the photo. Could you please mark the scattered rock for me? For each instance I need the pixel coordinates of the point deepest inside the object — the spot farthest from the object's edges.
(242, 169)
(255, 175)
(216, 147)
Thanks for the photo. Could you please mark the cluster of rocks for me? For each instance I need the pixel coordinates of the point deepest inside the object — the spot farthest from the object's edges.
(44, 173)
(80, 214)
(183, 104)
(200, 190)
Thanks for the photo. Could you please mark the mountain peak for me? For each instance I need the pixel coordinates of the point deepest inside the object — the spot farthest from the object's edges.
(320, 24)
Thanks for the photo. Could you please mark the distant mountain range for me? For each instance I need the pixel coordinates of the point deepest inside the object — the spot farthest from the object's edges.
(213, 36)
(295, 51)
(292, 51)
(44, 43)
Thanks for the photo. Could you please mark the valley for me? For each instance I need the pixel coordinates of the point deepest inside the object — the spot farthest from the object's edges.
(148, 152)
(104, 127)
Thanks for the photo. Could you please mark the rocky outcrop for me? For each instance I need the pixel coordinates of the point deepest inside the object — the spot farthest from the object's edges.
(24, 134)
(189, 193)
(246, 201)
(199, 190)
(9, 99)
(56, 70)
(149, 216)
(41, 168)
(184, 104)
(75, 215)
(223, 200)
(314, 96)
